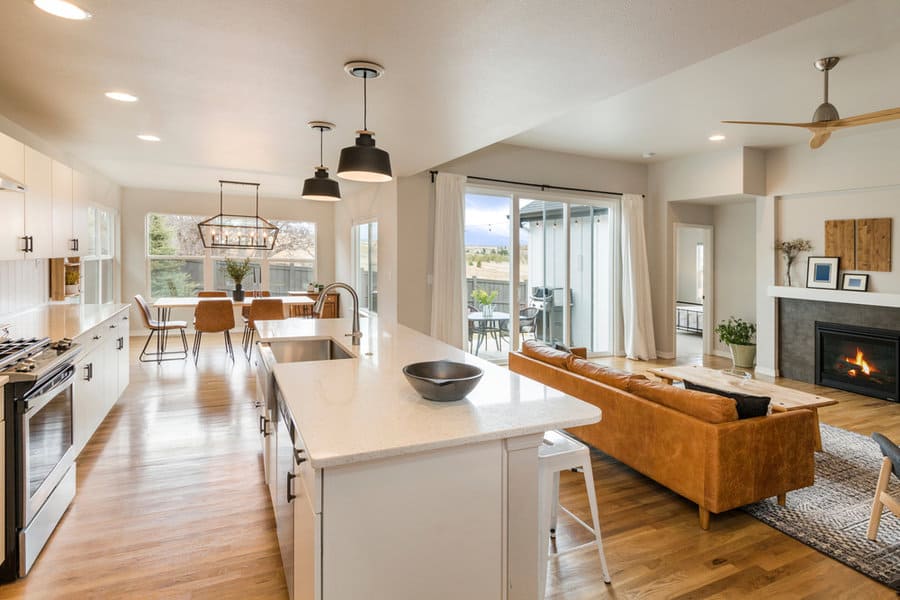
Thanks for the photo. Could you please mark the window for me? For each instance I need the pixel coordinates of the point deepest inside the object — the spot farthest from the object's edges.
(98, 278)
(175, 255)
(180, 265)
(365, 259)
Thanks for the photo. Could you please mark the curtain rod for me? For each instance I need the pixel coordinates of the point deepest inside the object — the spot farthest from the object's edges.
(540, 186)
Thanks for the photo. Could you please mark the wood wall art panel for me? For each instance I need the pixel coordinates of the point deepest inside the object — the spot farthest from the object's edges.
(873, 244)
(840, 241)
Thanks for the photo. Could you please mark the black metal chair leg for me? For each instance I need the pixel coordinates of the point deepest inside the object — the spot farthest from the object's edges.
(198, 336)
(228, 346)
(248, 350)
(144, 349)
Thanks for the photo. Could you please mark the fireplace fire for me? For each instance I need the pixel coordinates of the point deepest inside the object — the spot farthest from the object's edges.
(858, 359)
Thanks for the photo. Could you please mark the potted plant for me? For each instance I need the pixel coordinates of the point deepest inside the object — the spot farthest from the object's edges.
(237, 270)
(72, 277)
(791, 249)
(738, 334)
(486, 301)
(311, 287)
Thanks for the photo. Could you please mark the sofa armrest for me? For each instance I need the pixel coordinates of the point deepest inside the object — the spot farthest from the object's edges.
(580, 352)
(752, 459)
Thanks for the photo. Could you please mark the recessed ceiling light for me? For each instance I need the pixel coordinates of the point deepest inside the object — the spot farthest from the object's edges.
(148, 137)
(716, 138)
(121, 96)
(648, 154)
(61, 8)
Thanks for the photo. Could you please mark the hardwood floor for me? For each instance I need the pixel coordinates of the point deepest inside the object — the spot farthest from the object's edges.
(655, 549)
(171, 504)
(171, 501)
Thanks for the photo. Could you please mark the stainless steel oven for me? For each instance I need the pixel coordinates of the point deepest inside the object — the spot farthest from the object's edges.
(40, 453)
(46, 449)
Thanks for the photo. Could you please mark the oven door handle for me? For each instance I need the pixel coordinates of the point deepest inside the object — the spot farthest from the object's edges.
(48, 391)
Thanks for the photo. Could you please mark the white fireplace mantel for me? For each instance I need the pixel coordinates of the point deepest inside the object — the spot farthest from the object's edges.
(847, 297)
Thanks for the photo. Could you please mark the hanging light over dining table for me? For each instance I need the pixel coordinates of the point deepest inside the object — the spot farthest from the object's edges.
(241, 232)
(363, 161)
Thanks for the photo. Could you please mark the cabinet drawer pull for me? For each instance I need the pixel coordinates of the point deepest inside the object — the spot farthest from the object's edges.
(290, 478)
(74, 245)
(96, 337)
(88, 371)
(297, 458)
(120, 343)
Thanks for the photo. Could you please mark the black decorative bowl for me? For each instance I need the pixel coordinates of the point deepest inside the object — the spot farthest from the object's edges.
(442, 380)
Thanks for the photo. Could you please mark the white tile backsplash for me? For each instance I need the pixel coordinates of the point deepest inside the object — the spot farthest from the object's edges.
(24, 284)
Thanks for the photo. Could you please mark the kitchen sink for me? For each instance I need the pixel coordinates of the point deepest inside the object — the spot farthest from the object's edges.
(290, 351)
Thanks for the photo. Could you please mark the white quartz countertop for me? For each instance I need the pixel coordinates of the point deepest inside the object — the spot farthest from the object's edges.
(363, 408)
(57, 321)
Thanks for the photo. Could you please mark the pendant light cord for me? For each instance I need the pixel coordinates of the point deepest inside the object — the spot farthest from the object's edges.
(366, 102)
(321, 152)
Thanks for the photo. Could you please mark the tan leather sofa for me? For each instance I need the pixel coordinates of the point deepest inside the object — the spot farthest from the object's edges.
(691, 442)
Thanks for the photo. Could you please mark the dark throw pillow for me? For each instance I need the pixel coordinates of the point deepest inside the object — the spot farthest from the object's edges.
(747, 406)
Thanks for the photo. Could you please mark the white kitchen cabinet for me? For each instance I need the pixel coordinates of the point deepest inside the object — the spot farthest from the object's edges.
(84, 195)
(12, 209)
(98, 378)
(38, 204)
(88, 395)
(61, 202)
(122, 360)
(12, 158)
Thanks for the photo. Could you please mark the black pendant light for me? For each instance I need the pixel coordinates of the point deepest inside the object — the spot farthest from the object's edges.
(321, 186)
(363, 161)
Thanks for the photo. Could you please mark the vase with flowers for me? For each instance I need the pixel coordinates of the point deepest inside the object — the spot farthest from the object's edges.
(486, 301)
(791, 249)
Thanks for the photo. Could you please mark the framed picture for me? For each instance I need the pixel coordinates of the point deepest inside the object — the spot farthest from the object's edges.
(854, 282)
(822, 272)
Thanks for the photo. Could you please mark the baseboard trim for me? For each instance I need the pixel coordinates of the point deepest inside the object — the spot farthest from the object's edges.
(766, 371)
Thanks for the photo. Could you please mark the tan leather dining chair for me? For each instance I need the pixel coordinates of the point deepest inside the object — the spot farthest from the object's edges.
(261, 309)
(160, 328)
(245, 310)
(213, 316)
(211, 294)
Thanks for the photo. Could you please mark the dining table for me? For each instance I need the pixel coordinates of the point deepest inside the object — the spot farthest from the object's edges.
(488, 324)
(165, 304)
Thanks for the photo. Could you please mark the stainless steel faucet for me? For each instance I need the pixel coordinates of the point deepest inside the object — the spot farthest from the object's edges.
(319, 306)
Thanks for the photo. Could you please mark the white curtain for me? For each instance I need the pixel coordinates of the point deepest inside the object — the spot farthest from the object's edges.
(637, 310)
(447, 303)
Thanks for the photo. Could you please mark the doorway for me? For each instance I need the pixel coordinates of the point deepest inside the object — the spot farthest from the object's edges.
(693, 302)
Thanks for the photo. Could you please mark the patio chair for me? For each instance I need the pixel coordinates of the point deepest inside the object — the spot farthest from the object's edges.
(527, 323)
(890, 464)
(160, 328)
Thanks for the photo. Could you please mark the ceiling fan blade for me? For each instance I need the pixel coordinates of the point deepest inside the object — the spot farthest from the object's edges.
(803, 125)
(880, 116)
(819, 138)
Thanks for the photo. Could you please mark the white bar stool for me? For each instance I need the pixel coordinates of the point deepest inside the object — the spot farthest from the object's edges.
(559, 452)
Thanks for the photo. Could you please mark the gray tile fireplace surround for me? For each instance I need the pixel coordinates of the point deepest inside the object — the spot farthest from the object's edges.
(797, 335)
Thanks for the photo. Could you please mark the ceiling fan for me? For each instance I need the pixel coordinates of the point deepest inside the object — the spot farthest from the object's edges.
(826, 119)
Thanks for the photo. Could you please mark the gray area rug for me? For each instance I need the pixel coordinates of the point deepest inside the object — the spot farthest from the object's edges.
(833, 514)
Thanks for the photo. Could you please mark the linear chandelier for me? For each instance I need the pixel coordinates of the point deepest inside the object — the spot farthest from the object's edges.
(241, 232)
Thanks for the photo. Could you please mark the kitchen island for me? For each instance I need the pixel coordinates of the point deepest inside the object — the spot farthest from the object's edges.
(379, 493)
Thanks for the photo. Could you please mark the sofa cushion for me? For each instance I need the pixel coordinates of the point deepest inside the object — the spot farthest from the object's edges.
(543, 353)
(711, 408)
(747, 406)
(609, 376)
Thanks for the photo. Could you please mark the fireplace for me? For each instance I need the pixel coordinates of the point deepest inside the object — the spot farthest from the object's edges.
(858, 359)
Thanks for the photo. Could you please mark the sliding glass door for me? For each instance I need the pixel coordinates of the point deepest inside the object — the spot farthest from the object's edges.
(551, 277)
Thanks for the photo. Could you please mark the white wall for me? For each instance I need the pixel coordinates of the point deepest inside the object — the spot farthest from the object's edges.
(735, 264)
(686, 277)
(499, 161)
(376, 201)
(137, 203)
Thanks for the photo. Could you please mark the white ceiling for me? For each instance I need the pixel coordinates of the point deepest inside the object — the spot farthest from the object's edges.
(230, 84)
(768, 79)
